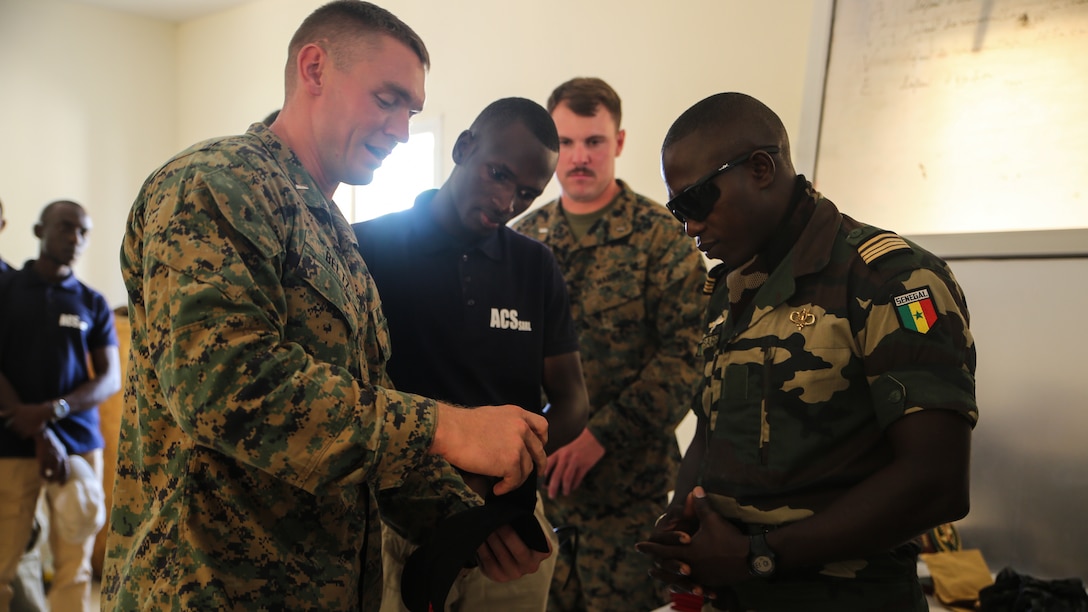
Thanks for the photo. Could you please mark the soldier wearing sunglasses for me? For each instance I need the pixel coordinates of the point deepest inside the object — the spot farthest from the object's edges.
(838, 399)
(635, 284)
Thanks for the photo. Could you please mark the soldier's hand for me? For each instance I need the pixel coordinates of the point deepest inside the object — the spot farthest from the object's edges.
(503, 441)
(715, 555)
(569, 464)
(504, 557)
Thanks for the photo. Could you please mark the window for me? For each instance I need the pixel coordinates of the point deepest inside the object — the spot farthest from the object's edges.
(411, 168)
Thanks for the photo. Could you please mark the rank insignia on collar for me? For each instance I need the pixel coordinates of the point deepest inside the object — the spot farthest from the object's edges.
(801, 318)
(915, 310)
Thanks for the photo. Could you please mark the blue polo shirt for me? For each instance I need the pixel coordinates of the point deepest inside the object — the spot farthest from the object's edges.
(469, 323)
(4, 267)
(47, 332)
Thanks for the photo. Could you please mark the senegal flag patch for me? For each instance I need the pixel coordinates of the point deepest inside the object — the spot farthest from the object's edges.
(916, 311)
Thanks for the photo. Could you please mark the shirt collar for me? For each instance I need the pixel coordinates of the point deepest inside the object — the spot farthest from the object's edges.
(296, 173)
(68, 283)
(617, 223)
(433, 238)
(304, 184)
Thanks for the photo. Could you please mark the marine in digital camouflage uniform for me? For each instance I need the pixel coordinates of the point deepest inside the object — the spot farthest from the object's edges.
(258, 413)
(838, 388)
(257, 407)
(635, 285)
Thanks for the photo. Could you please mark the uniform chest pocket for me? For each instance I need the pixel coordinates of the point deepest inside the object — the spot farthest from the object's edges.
(320, 273)
(739, 414)
(618, 282)
(783, 395)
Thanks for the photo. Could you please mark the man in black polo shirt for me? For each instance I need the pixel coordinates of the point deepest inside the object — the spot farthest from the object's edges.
(51, 326)
(478, 314)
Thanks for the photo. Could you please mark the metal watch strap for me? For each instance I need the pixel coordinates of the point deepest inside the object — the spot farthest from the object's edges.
(61, 409)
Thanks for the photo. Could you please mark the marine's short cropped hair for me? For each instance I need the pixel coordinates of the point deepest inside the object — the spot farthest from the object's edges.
(340, 23)
(501, 113)
(584, 95)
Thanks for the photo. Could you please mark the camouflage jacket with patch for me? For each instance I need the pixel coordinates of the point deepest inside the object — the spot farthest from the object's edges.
(799, 387)
(257, 408)
(635, 282)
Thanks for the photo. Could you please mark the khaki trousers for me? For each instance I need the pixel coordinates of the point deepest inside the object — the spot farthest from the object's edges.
(20, 486)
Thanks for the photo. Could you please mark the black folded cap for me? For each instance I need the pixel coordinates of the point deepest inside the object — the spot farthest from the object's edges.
(431, 569)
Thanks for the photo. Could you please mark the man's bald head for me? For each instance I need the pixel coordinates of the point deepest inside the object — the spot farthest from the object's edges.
(738, 122)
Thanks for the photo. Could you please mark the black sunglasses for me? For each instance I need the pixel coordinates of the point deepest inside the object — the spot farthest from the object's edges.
(698, 199)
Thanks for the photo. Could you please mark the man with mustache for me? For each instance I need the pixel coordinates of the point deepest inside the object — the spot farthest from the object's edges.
(478, 314)
(635, 283)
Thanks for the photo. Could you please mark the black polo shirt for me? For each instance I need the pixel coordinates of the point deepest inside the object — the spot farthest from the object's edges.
(470, 323)
(47, 332)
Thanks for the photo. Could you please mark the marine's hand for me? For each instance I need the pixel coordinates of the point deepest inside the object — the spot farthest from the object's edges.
(504, 557)
(503, 441)
(52, 457)
(569, 464)
(28, 420)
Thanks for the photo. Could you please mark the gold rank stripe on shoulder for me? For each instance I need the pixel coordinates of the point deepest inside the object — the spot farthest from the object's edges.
(880, 245)
(708, 286)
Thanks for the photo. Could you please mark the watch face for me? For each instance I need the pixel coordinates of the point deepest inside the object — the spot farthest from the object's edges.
(762, 565)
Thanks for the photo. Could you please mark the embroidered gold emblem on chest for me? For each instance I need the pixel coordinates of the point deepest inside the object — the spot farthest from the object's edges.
(801, 318)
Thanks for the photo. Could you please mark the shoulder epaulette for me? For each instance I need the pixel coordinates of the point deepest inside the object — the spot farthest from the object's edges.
(874, 243)
(712, 277)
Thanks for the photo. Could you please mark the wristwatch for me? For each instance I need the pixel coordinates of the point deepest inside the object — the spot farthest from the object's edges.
(61, 409)
(760, 556)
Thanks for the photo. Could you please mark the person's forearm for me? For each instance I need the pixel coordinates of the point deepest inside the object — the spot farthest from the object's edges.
(106, 382)
(564, 425)
(910, 495)
(568, 402)
(8, 397)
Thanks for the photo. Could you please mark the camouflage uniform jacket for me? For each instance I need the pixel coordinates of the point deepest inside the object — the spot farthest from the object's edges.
(635, 283)
(855, 328)
(257, 408)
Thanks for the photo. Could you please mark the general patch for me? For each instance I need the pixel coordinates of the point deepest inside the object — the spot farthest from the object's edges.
(915, 309)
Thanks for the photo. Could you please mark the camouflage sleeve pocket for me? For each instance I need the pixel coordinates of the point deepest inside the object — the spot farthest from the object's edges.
(914, 390)
(251, 219)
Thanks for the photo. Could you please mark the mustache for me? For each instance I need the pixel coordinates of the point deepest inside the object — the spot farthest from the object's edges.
(581, 170)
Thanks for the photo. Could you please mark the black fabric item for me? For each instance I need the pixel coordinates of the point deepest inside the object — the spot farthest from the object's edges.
(431, 569)
(1014, 592)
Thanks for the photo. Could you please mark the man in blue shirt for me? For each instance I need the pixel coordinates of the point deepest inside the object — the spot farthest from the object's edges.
(479, 314)
(58, 362)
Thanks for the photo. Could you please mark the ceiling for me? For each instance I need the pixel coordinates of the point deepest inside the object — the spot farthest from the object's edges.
(175, 11)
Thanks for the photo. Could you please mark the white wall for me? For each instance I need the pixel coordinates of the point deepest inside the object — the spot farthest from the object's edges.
(661, 58)
(88, 108)
(95, 99)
